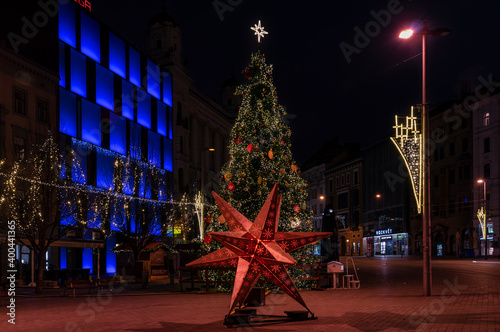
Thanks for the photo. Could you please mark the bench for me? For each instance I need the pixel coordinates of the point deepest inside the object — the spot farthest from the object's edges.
(109, 283)
(80, 284)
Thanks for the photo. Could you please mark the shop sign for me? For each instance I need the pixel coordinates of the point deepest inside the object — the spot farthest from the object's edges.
(386, 238)
(383, 231)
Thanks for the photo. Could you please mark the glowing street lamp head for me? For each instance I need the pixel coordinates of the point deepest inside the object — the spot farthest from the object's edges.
(480, 181)
(405, 34)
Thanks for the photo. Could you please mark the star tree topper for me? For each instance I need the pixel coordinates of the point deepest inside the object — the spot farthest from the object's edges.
(259, 31)
(257, 249)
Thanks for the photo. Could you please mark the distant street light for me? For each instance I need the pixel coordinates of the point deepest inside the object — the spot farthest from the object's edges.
(426, 216)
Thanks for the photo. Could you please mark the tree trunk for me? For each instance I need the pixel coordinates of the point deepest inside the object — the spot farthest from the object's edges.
(41, 267)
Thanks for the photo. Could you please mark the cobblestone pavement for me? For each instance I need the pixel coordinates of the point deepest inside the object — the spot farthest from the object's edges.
(465, 297)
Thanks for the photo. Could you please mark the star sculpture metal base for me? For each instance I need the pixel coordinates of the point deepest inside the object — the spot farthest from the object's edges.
(257, 249)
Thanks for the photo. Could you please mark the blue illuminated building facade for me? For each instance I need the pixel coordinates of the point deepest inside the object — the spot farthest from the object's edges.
(115, 107)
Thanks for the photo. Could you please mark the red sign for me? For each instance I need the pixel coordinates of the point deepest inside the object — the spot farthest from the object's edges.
(85, 4)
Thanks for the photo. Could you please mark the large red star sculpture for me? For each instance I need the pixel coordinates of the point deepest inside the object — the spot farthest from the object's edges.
(257, 249)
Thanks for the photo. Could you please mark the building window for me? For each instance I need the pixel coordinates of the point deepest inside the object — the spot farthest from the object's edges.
(19, 148)
(452, 148)
(42, 111)
(486, 119)
(19, 102)
(486, 145)
(451, 176)
(348, 178)
(330, 184)
(153, 77)
(144, 109)
(486, 171)
(181, 145)
(342, 201)
(356, 177)
(465, 144)
(342, 179)
(167, 89)
(117, 58)
(337, 181)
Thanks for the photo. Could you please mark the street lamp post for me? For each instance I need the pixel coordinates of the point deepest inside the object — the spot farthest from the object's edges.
(202, 189)
(485, 228)
(426, 211)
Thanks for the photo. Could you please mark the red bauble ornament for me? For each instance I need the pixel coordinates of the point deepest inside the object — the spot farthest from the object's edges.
(296, 208)
(207, 239)
(249, 147)
(282, 171)
(238, 140)
(231, 186)
(207, 219)
(283, 142)
(247, 74)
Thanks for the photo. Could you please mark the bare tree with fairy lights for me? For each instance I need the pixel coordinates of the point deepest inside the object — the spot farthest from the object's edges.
(42, 201)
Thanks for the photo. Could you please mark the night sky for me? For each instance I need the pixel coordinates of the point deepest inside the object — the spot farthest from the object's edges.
(329, 97)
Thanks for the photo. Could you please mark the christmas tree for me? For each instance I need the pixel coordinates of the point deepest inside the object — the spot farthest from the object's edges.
(260, 156)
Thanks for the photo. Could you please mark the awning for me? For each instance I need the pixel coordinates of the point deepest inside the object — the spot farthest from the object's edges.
(71, 243)
(150, 247)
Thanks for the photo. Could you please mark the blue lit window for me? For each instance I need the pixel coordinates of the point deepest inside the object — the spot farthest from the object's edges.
(110, 256)
(67, 113)
(68, 212)
(143, 109)
(67, 24)
(78, 73)
(62, 258)
(79, 163)
(135, 141)
(87, 259)
(93, 212)
(117, 134)
(117, 62)
(91, 44)
(134, 59)
(161, 124)
(167, 89)
(133, 218)
(104, 91)
(167, 155)
(170, 122)
(62, 65)
(118, 217)
(127, 100)
(162, 188)
(154, 149)
(105, 168)
(91, 122)
(144, 183)
(128, 179)
(154, 79)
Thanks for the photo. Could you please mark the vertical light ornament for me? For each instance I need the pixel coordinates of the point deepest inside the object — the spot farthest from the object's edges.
(409, 142)
(481, 216)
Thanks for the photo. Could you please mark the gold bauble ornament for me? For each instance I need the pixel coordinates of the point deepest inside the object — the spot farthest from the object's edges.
(270, 154)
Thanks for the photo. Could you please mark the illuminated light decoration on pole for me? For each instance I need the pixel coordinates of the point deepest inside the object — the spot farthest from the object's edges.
(481, 216)
(409, 141)
(426, 205)
(259, 31)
